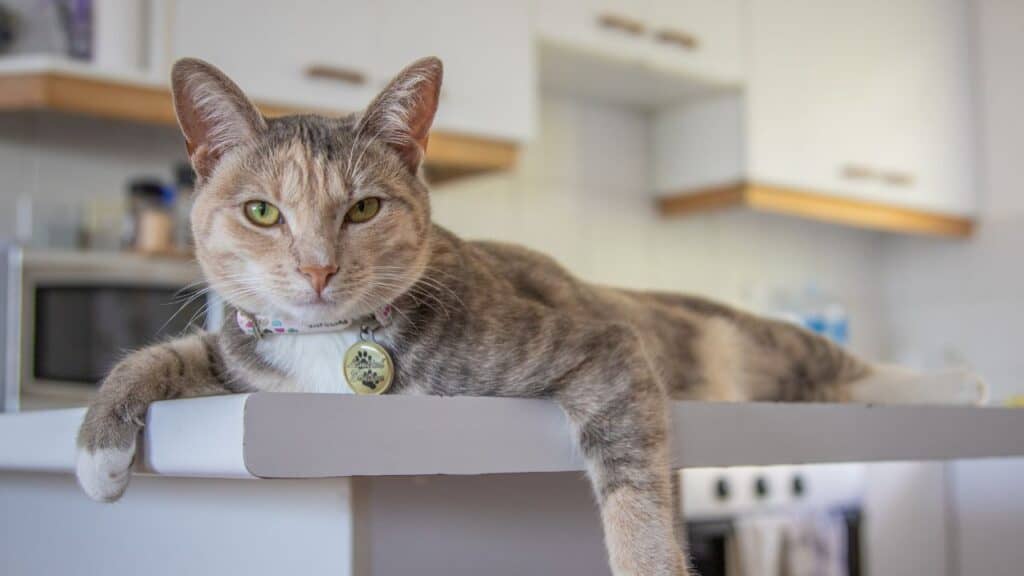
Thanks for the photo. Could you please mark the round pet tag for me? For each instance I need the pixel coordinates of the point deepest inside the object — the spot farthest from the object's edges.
(368, 368)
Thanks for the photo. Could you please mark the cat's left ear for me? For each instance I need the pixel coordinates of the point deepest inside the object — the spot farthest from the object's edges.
(402, 114)
(214, 115)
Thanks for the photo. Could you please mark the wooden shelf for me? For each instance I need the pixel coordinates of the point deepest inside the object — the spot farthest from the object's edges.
(805, 204)
(74, 90)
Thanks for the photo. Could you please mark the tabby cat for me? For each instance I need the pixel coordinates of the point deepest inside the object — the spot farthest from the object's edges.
(323, 224)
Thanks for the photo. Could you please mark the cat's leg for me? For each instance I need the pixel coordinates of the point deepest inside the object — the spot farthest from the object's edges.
(620, 414)
(185, 367)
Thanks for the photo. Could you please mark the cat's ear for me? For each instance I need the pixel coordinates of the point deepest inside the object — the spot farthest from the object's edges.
(402, 113)
(214, 114)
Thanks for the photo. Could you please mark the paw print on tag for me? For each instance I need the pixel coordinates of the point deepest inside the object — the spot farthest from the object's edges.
(363, 360)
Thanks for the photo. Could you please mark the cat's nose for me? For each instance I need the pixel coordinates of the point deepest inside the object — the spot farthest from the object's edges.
(318, 276)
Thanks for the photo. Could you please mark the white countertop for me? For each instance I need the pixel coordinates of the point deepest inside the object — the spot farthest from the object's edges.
(322, 435)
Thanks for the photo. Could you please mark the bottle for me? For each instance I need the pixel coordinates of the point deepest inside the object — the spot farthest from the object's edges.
(837, 323)
(822, 314)
(812, 309)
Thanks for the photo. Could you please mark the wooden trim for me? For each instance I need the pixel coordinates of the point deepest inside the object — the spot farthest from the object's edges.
(857, 212)
(817, 206)
(448, 150)
(449, 154)
(703, 200)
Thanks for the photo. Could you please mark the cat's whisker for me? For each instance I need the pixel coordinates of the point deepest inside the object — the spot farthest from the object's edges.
(371, 292)
(424, 283)
(414, 291)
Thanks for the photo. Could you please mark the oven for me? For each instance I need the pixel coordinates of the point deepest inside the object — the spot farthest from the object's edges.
(775, 520)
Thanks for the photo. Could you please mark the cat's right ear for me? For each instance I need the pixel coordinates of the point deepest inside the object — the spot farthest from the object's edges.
(214, 114)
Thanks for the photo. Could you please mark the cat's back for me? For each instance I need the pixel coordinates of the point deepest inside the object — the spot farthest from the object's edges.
(527, 272)
(533, 276)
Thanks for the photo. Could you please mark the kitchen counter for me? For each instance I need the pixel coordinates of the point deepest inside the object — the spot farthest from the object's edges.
(323, 435)
(363, 486)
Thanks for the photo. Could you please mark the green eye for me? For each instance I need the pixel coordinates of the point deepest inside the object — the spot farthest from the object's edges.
(262, 213)
(363, 210)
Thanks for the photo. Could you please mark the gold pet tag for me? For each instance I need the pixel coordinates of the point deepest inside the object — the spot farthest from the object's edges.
(368, 368)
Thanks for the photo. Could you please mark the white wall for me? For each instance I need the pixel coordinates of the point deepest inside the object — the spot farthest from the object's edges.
(582, 194)
(963, 302)
(947, 302)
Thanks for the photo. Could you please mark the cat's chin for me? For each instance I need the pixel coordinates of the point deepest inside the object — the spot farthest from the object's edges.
(320, 311)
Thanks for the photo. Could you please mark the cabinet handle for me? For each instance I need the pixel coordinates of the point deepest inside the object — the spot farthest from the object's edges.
(679, 38)
(897, 178)
(858, 172)
(622, 23)
(336, 73)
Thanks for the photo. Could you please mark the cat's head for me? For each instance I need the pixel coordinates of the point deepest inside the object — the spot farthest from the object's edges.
(308, 217)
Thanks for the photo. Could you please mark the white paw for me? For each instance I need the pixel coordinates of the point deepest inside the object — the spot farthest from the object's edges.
(104, 473)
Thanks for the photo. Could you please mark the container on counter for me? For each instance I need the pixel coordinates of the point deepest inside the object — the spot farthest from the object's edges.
(810, 308)
(149, 226)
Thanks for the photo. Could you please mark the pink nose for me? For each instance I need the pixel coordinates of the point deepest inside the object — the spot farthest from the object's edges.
(318, 276)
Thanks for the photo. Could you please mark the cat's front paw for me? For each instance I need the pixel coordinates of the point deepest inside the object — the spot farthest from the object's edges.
(103, 473)
(106, 448)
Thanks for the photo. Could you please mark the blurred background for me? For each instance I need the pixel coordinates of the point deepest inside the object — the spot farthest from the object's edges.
(852, 166)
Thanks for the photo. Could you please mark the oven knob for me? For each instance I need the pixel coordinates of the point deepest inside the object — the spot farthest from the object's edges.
(799, 486)
(722, 489)
(761, 487)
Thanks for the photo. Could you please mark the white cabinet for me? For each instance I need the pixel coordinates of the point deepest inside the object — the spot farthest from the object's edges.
(616, 29)
(867, 99)
(333, 55)
(269, 47)
(697, 39)
(700, 37)
(487, 49)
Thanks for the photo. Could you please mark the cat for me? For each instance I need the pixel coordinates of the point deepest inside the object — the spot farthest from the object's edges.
(325, 222)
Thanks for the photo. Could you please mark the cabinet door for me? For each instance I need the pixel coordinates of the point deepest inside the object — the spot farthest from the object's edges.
(924, 151)
(865, 99)
(615, 29)
(271, 48)
(697, 37)
(487, 49)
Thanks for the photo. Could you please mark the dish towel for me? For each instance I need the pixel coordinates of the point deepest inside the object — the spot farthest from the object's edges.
(787, 545)
(815, 545)
(755, 548)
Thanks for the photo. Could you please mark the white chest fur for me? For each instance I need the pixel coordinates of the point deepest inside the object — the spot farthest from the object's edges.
(312, 362)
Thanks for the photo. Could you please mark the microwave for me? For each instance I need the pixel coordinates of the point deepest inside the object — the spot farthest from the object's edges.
(68, 317)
